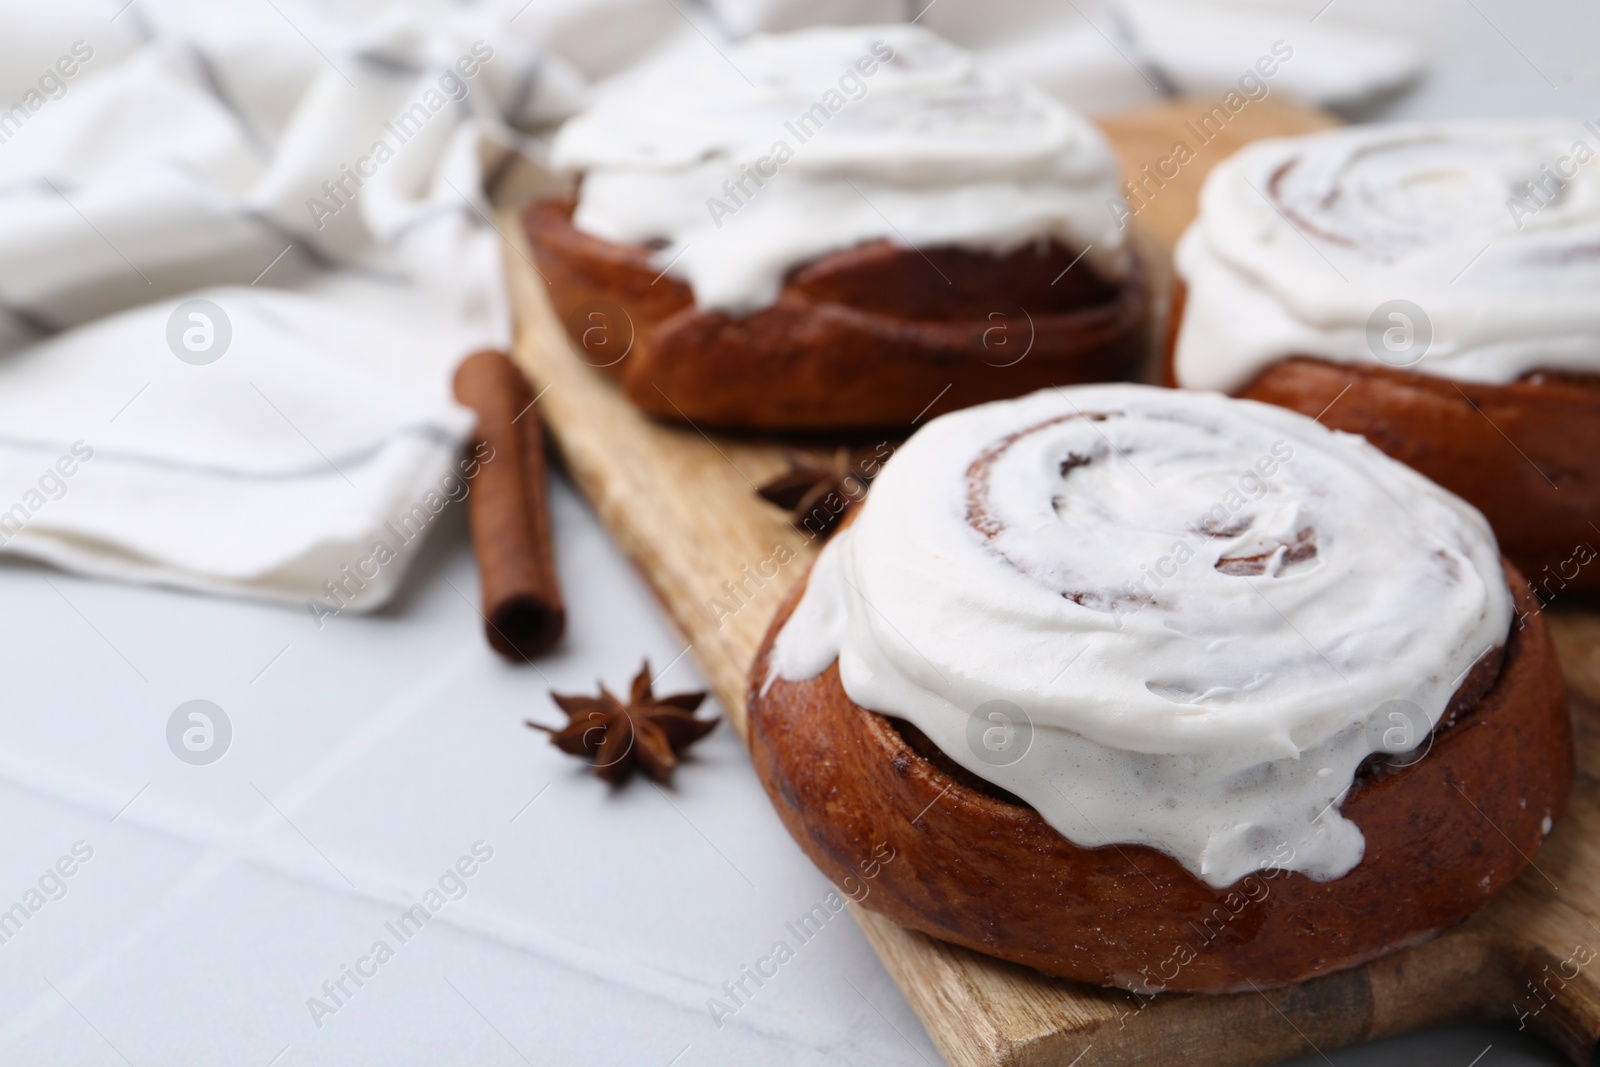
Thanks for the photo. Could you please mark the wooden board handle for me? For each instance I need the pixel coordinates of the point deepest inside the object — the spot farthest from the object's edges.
(1547, 930)
(1555, 993)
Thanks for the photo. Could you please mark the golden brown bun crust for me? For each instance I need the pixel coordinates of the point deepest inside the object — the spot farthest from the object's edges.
(1526, 454)
(993, 876)
(865, 337)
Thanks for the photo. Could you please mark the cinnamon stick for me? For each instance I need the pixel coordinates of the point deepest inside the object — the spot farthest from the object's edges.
(508, 508)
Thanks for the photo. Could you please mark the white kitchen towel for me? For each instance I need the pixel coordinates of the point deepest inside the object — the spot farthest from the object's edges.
(1101, 56)
(242, 248)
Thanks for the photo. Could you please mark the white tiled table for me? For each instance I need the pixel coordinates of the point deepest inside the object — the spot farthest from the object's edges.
(365, 760)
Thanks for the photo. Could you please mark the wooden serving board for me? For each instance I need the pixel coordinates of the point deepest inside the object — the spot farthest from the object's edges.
(682, 504)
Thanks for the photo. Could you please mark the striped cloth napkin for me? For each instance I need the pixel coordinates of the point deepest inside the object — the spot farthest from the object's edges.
(244, 247)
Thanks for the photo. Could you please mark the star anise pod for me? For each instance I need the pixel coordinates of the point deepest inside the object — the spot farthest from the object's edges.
(818, 493)
(647, 732)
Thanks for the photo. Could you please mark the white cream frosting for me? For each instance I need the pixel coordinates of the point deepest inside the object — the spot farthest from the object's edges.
(1061, 552)
(1300, 241)
(907, 139)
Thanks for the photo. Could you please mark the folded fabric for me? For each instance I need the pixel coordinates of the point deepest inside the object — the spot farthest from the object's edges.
(739, 18)
(245, 246)
(1099, 56)
(1207, 47)
(269, 471)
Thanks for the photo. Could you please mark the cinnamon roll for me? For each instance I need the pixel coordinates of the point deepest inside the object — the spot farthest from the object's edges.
(837, 227)
(1430, 287)
(1127, 676)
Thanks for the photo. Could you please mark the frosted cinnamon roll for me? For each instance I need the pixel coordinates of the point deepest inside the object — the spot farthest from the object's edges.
(833, 227)
(1152, 650)
(1438, 280)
